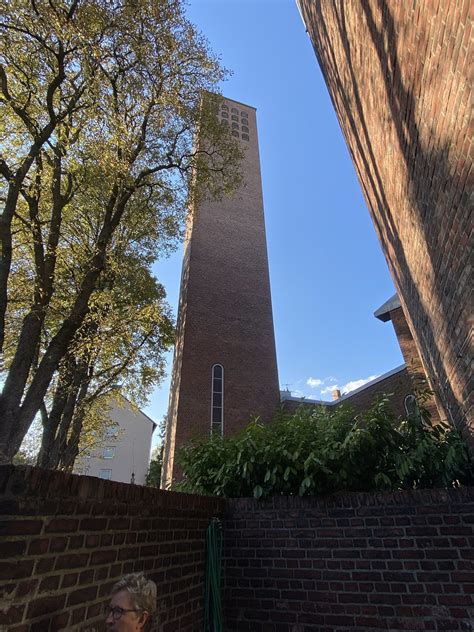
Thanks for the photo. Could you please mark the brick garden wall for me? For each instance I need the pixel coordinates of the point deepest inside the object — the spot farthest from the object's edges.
(366, 562)
(66, 539)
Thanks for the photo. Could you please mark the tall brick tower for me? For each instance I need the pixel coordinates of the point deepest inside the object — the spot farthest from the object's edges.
(399, 76)
(224, 367)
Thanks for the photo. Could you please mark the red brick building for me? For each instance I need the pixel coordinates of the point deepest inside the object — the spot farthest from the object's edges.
(398, 74)
(224, 368)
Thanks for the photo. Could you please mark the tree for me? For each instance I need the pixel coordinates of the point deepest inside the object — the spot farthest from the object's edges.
(100, 103)
(322, 451)
(120, 347)
(153, 477)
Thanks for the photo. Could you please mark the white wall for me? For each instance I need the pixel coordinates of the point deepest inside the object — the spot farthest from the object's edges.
(128, 446)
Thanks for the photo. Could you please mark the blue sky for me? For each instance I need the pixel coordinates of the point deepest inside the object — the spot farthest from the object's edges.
(328, 273)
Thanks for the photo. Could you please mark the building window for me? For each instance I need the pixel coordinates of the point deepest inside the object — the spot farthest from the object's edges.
(105, 474)
(410, 404)
(244, 115)
(235, 126)
(245, 129)
(234, 133)
(112, 433)
(217, 403)
(245, 137)
(235, 118)
(225, 114)
(235, 111)
(224, 106)
(108, 452)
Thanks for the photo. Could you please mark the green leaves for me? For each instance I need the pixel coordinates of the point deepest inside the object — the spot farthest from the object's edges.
(323, 450)
(101, 104)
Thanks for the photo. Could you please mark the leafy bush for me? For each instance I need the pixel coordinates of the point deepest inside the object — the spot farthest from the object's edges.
(323, 450)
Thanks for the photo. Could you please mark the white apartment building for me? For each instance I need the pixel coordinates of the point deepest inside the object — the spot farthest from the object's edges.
(124, 454)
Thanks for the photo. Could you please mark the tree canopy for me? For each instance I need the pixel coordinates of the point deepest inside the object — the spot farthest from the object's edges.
(101, 102)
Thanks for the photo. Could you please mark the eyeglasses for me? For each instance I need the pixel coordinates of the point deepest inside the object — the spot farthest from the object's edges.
(118, 612)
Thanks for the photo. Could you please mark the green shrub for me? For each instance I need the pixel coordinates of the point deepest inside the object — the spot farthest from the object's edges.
(322, 450)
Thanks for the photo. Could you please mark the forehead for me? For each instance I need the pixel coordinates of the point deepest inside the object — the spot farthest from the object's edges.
(121, 599)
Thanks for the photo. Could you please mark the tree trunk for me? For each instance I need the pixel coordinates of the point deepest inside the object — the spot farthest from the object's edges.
(19, 417)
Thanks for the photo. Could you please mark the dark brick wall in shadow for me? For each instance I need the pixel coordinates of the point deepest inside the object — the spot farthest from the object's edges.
(346, 562)
(398, 77)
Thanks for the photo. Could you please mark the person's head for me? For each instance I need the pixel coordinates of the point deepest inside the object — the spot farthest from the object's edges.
(132, 604)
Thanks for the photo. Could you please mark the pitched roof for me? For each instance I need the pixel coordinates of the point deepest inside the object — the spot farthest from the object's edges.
(383, 312)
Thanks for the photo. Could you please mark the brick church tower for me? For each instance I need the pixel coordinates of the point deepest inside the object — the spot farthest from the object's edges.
(224, 367)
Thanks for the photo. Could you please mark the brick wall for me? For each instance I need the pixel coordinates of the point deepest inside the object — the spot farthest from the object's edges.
(66, 539)
(225, 311)
(366, 562)
(398, 384)
(412, 359)
(398, 74)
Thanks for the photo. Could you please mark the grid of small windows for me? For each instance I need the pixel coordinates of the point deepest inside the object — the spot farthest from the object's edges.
(240, 126)
(217, 408)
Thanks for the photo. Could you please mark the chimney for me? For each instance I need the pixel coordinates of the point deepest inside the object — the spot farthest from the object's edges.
(336, 394)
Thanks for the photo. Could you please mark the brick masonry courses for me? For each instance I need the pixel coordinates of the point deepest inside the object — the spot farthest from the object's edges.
(66, 539)
(412, 359)
(225, 311)
(364, 562)
(398, 74)
(398, 384)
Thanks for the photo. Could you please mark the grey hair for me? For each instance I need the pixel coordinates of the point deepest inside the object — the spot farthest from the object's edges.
(141, 590)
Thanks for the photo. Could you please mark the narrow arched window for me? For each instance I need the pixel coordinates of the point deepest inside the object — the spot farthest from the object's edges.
(410, 404)
(217, 402)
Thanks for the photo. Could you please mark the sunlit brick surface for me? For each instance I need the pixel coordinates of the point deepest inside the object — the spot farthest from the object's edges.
(225, 312)
(399, 77)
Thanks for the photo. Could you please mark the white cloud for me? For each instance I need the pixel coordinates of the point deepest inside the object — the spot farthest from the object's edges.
(329, 389)
(314, 382)
(351, 386)
(347, 388)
